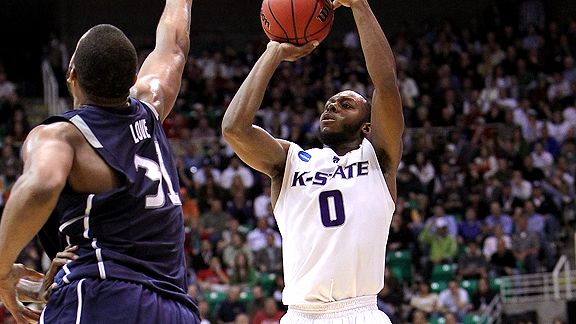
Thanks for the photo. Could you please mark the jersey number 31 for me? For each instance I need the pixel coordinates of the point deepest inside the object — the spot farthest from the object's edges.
(156, 171)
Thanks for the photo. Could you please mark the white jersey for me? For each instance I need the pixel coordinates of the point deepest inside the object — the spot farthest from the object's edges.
(334, 213)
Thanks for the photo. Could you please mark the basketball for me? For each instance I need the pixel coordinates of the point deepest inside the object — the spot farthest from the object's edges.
(296, 21)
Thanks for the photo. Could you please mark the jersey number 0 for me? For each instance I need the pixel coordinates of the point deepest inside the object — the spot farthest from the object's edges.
(332, 208)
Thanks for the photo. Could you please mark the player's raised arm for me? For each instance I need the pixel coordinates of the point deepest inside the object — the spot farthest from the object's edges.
(48, 158)
(387, 121)
(253, 144)
(160, 76)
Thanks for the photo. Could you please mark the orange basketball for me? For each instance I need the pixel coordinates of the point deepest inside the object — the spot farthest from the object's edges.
(296, 21)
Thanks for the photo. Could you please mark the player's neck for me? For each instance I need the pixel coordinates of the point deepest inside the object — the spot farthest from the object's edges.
(105, 102)
(343, 148)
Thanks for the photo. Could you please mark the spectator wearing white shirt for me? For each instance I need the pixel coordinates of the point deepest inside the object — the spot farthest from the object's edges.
(541, 158)
(408, 89)
(256, 238)
(454, 300)
(491, 242)
(521, 188)
(202, 173)
(559, 88)
(234, 169)
(558, 127)
(423, 169)
(262, 203)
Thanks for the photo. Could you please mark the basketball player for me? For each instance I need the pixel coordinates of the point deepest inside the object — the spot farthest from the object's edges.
(333, 205)
(107, 173)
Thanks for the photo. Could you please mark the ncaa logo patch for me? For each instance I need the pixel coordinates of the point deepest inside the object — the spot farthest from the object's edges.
(304, 156)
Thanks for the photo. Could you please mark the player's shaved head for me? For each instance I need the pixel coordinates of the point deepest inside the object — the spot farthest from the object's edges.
(105, 62)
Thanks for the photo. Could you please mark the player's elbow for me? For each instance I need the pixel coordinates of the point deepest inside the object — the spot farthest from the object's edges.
(42, 188)
(230, 132)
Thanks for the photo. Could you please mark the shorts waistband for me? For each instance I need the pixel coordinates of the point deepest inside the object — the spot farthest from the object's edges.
(356, 303)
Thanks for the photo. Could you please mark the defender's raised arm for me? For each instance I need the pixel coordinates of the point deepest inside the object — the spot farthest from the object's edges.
(160, 76)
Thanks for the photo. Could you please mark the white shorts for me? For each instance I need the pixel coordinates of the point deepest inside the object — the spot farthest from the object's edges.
(349, 311)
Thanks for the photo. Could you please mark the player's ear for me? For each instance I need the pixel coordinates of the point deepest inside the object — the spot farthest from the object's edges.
(366, 128)
(71, 74)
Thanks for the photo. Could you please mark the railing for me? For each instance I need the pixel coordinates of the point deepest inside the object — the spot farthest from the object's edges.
(537, 287)
(493, 312)
(50, 85)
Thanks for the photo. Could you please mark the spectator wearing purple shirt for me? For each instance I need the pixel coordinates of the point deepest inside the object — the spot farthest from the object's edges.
(497, 217)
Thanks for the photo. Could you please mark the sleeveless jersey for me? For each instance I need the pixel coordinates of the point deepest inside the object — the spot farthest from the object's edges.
(334, 213)
(134, 232)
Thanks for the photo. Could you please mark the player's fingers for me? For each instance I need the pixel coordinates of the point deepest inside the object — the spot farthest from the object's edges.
(336, 4)
(65, 256)
(71, 248)
(31, 315)
(30, 274)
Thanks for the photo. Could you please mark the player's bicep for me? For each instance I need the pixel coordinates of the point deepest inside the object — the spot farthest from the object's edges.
(258, 149)
(159, 80)
(387, 125)
(48, 156)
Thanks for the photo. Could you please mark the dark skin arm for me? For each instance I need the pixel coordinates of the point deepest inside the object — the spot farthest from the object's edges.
(160, 76)
(387, 120)
(49, 152)
(48, 156)
(252, 144)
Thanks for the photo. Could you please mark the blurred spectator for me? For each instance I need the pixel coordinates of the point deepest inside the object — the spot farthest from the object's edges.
(236, 246)
(483, 296)
(503, 261)
(239, 206)
(525, 246)
(7, 87)
(258, 237)
(268, 259)
(207, 170)
(491, 242)
(424, 170)
(214, 220)
(10, 164)
(242, 273)
(470, 228)
(228, 309)
(214, 277)
(270, 314)
(472, 263)
(262, 204)
(454, 300)
(399, 236)
(424, 300)
(234, 169)
(442, 246)
(497, 217)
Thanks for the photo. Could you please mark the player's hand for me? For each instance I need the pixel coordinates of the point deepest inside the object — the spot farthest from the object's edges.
(345, 3)
(9, 296)
(290, 52)
(61, 259)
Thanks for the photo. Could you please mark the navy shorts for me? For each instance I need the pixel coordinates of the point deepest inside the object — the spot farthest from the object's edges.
(94, 301)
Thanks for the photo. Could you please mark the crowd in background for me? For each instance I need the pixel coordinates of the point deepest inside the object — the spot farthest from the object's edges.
(485, 188)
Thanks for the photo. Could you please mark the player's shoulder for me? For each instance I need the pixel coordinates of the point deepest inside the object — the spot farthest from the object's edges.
(59, 130)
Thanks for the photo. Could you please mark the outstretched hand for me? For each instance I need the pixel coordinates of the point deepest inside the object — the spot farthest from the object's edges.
(345, 3)
(61, 259)
(290, 52)
(9, 296)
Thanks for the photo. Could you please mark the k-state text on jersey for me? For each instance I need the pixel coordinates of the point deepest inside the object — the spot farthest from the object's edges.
(139, 130)
(319, 178)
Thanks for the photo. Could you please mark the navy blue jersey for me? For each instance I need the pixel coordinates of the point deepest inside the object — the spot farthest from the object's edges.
(136, 231)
